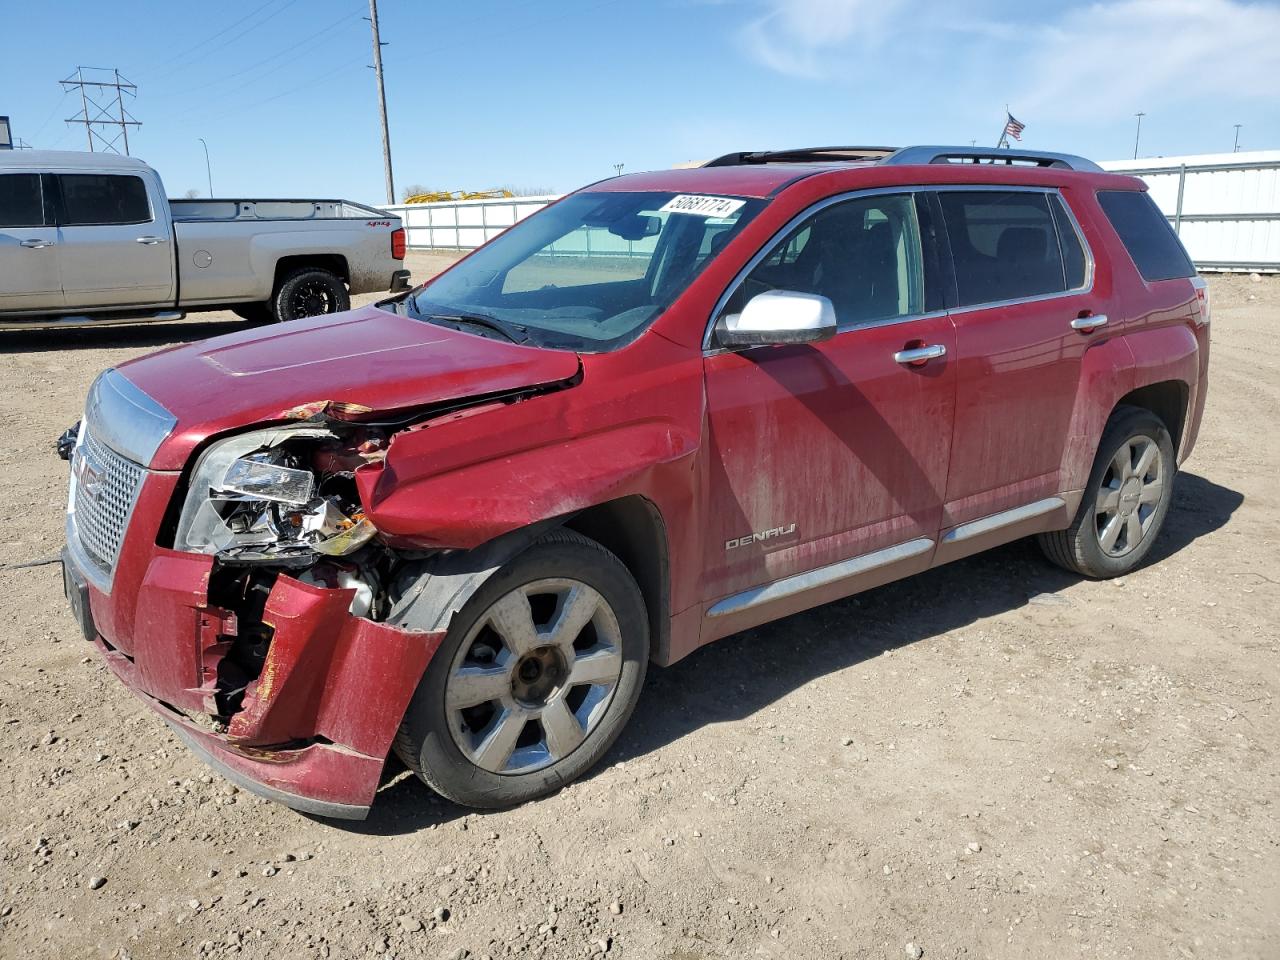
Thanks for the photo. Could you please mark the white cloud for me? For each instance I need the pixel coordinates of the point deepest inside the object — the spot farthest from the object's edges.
(1072, 61)
(797, 37)
(1131, 54)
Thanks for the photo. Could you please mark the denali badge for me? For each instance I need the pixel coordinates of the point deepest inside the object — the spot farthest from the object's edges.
(750, 538)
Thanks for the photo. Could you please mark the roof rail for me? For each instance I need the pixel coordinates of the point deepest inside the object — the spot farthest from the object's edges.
(924, 155)
(801, 155)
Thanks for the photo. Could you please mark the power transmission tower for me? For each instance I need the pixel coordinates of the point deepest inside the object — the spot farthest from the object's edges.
(102, 105)
(382, 101)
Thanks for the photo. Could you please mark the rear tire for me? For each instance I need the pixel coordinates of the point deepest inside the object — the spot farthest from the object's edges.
(1125, 501)
(309, 292)
(536, 677)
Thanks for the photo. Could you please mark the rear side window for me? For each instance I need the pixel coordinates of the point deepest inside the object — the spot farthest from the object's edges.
(94, 199)
(1005, 245)
(21, 200)
(1155, 248)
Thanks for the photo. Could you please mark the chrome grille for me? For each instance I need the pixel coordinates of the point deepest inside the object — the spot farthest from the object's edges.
(105, 487)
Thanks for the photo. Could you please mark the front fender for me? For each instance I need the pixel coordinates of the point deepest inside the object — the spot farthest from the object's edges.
(472, 504)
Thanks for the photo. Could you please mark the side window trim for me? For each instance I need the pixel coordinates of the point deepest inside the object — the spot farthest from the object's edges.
(1089, 262)
(709, 346)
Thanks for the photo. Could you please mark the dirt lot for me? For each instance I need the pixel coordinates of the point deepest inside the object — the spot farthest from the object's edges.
(991, 760)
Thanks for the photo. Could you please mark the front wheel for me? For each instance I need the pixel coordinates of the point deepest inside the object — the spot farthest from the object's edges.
(537, 675)
(1125, 501)
(310, 292)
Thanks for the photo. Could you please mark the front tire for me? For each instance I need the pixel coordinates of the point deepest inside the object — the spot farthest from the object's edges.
(1125, 501)
(537, 675)
(309, 292)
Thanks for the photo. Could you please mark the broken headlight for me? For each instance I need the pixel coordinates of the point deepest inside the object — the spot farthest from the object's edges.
(258, 498)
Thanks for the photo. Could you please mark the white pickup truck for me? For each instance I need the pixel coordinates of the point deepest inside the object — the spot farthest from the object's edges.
(90, 238)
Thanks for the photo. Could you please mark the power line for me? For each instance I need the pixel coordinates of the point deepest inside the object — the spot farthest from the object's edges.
(271, 59)
(96, 108)
(230, 40)
(209, 39)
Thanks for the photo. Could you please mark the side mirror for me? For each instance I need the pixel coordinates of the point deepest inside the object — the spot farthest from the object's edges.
(780, 316)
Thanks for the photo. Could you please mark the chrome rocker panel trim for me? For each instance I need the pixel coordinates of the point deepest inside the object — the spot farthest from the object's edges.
(821, 577)
(975, 528)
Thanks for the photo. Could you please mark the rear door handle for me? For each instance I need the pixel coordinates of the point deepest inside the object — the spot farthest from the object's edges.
(36, 244)
(921, 354)
(150, 241)
(1090, 323)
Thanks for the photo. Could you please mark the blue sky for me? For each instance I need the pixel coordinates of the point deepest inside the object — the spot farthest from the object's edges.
(552, 93)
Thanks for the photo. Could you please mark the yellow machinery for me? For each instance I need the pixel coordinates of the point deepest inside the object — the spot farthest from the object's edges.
(442, 196)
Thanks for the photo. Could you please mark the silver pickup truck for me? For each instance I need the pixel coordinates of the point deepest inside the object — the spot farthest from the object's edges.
(90, 238)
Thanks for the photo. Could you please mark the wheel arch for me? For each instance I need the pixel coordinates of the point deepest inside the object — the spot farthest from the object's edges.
(333, 262)
(1167, 399)
(632, 529)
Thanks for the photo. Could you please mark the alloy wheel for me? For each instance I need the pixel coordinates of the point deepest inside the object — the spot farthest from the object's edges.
(534, 676)
(1129, 496)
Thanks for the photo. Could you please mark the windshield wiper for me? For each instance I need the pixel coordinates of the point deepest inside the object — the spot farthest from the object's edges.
(511, 331)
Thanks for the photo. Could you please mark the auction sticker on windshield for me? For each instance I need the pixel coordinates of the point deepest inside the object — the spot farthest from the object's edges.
(702, 206)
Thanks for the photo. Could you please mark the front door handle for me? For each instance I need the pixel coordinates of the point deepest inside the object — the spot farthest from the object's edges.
(36, 244)
(921, 354)
(1088, 324)
(151, 241)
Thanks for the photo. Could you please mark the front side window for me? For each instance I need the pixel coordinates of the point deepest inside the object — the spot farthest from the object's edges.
(1004, 245)
(21, 200)
(861, 254)
(588, 273)
(95, 199)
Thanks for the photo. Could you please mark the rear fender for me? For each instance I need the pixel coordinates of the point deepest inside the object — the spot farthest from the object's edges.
(1106, 375)
(1113, 369)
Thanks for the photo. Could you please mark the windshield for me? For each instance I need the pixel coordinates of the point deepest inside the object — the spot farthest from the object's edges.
(589, 273)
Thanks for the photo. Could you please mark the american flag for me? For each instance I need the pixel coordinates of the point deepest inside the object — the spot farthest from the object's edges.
(1014, 127)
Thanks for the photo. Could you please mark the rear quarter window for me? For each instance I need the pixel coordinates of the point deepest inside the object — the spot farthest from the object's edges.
(1155, 248)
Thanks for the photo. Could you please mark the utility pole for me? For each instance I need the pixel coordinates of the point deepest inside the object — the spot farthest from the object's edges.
(1137, 134)
(382, 101)
(1235, 147)
(97, 109)
(208, 170)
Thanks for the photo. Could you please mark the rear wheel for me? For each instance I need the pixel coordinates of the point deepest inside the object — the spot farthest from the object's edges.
(1125, 502)
(536, 677)
(310, 292)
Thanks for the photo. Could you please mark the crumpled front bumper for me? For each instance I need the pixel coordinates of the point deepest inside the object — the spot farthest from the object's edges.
(316, 725)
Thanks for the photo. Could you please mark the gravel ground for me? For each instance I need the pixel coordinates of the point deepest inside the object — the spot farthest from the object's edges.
(994, 759)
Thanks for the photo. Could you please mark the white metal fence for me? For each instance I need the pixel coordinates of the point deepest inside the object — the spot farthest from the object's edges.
(463, 224)
(1225, 207)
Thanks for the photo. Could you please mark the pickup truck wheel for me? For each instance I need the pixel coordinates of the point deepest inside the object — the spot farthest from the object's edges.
(1125, 502)
(310, 292)
(537, 675)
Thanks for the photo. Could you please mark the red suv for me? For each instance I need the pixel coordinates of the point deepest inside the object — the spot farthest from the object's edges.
(668, 407)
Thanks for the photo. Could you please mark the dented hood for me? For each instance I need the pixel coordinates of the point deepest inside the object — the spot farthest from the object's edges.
(368, 356)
